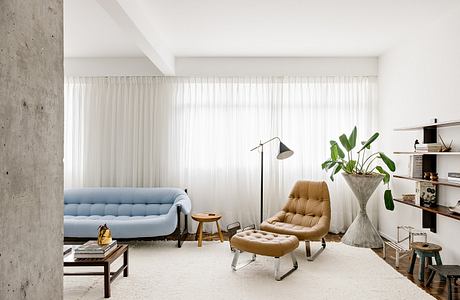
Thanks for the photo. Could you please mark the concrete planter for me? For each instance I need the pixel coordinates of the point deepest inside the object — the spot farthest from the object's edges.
(361, 232)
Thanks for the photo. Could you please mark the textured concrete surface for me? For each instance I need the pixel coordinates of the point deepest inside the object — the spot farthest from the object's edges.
(31, 149)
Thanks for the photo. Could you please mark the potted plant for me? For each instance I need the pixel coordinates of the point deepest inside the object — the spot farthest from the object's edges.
(363, 172)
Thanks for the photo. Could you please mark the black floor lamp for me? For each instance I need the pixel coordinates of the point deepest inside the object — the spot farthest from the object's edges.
(283, 153)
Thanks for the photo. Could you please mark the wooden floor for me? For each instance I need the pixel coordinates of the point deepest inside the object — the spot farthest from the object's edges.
(437, 289)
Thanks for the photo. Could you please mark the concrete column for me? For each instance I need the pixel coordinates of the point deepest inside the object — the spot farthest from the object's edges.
(31, 149)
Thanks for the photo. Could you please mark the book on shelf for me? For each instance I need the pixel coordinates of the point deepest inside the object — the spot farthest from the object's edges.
(453, 176)
(416, 166)
(426, 194)
(430, 147)
(92, 247)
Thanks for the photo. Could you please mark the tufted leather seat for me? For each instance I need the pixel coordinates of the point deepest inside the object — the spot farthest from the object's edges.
(264, 243)
(307, 214)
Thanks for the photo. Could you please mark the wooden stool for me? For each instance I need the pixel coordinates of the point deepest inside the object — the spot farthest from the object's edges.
(423, 251)
(204, 218)
(451, 272)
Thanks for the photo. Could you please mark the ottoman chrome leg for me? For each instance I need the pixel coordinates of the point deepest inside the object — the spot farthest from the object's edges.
(235, 265)
(279, 277)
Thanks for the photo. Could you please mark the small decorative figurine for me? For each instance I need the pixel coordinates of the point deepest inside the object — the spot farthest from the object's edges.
(434, 176)
(444, 147)
(104, 236)
(415, 144)
(426, 175)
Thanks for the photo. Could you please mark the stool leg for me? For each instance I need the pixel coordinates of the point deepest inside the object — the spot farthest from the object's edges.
(430, 278)
(200, 234)
(449, 284)
(397, 259)
(438, 260)
(421, 273)
(410, 270)
(220, 232)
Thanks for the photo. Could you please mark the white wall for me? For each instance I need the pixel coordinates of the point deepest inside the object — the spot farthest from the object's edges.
(193, 66)
(419, 80)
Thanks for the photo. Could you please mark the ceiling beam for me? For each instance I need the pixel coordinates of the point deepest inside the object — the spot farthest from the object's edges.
(133, 20)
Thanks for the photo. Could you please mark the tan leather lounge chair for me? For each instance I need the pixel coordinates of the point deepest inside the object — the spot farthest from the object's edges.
(307, 215)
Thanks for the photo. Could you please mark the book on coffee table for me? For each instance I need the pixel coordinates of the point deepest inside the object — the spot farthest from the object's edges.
(92, 249)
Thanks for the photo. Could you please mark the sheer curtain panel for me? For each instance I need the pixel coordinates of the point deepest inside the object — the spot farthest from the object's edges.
(196, 133)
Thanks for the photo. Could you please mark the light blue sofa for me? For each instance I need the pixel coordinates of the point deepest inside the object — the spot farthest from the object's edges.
(131, 213)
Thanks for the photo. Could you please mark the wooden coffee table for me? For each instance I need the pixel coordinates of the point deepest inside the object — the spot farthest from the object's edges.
(205, 218)
(122, 249)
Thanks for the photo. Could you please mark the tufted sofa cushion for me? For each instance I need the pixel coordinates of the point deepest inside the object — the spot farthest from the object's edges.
(307, 213)
(129, 212)
(264, 243)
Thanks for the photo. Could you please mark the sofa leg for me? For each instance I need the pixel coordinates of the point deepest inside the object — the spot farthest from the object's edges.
(181, 235)
(311, 257)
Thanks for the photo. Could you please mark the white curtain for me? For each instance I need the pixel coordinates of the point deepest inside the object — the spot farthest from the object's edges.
(196, 133)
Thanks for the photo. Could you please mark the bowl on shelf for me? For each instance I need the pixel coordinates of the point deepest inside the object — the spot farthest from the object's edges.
(455, 209)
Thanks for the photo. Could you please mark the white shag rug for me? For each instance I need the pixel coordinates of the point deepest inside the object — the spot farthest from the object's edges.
(160, 270)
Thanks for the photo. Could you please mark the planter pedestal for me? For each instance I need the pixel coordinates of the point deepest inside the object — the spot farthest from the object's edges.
(361, 232)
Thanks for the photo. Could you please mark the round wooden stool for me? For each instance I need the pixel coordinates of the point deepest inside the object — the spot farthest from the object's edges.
(205, 218)
(424, 251)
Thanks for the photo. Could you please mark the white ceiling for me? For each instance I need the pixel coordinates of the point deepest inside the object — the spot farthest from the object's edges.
(288, 28)
(89, 31)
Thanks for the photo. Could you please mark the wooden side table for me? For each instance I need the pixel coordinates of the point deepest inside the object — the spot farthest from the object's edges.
(424, 251)
(206, 218)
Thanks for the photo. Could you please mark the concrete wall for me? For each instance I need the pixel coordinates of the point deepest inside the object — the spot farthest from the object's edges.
(31, 149)
(418, 80)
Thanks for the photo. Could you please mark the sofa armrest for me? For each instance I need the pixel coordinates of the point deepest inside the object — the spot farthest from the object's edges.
(183, 201)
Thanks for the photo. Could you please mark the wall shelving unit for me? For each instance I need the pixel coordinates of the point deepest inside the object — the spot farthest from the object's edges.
(430, 135)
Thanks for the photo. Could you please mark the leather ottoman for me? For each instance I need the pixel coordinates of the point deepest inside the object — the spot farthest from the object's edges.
(264, 243)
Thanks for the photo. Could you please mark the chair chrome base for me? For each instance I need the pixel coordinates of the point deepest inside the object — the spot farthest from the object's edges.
(278, 276)
(311, 257)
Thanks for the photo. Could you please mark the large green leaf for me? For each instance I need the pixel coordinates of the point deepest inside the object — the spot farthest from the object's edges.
(325, 165)
(345, 143)
(341, 154)
(388, 197)
(338, 167)
(350, 166)
(386, 177)
(334, 152)
(352, 138)
(369, 141)
(390, 164)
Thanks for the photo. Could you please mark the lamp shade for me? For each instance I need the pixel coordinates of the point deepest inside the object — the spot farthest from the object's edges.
(284, 152)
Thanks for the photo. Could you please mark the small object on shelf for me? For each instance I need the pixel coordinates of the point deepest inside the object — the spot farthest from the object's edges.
(453, 176)
(426, 175)
(455, 209)
(428, 147)
(104, 236)
(408, 197)
(434, 176)
(415, 144)
(445, 148)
